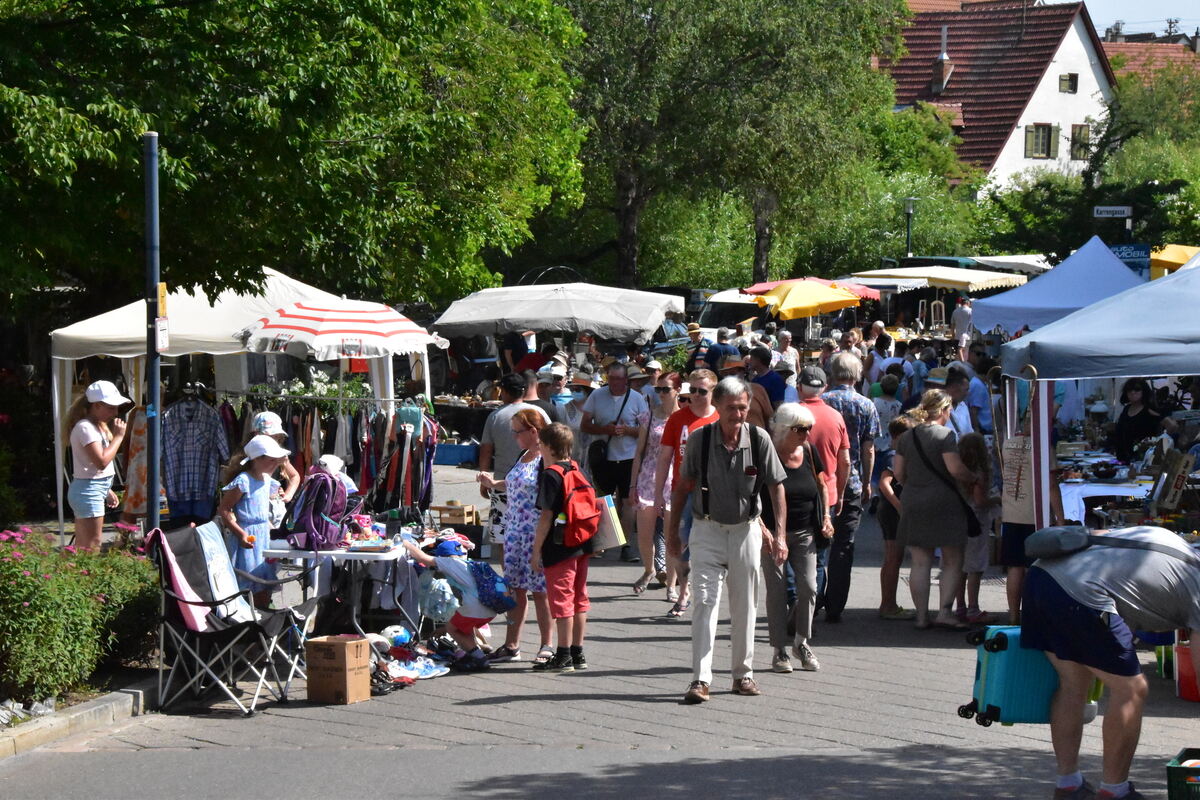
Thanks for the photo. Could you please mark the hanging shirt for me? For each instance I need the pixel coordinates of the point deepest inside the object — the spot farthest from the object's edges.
(194, 448)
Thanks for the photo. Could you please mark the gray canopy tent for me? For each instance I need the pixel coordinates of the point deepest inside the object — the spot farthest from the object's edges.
(606, 311)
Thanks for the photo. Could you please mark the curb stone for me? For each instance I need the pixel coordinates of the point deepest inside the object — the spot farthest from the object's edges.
(99, 713)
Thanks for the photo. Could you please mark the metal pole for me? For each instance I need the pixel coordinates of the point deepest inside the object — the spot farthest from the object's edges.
(153, 420)
(909, 203)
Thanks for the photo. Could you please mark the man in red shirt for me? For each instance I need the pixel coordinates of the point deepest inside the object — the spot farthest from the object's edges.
(695, 415)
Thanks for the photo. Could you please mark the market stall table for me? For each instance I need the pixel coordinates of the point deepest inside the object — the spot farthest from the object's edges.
(355, 561)
(1074, 491)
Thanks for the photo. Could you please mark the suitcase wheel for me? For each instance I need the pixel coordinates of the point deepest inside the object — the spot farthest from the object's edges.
(967, 711)
(997, 643)
(976, 637)
(983, 719)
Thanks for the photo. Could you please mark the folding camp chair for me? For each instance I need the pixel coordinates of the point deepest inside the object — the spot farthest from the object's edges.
(209, 630)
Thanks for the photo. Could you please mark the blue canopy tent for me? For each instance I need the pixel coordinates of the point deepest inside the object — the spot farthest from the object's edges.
(1090, 274)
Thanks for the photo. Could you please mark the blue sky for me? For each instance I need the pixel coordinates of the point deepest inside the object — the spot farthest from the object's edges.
(1144, 15)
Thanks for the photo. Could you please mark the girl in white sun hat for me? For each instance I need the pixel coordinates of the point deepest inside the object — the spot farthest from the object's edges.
(96, 433)
(246, 510)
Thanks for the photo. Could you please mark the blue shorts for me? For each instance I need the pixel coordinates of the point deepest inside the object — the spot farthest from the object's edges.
(1053, 621)
(87, 496)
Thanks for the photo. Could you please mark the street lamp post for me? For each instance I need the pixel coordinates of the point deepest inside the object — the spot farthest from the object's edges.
(909, 203)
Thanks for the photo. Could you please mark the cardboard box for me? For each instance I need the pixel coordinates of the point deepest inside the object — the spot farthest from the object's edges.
(338, 669)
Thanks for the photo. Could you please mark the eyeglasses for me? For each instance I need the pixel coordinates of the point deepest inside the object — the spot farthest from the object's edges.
(663, 389)
(699, 391)
(801, 428)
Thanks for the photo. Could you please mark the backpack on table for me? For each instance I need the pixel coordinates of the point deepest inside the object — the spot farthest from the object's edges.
(317, 518)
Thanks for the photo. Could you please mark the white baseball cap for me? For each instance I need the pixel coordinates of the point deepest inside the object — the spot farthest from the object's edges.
(654, 364)
(106, 392)
(263, 445)
(331, 464)
(268, 423)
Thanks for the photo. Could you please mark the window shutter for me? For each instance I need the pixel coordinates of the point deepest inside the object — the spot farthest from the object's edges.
(1030, 141)
(1054, 134)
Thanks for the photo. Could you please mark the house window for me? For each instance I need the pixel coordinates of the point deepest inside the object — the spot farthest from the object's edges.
(1041, 141)
(1080, 142)
(1069, 83)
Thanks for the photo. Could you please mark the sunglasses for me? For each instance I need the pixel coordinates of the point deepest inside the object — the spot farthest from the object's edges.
(801, 428)
(699, 391)
(663, 389)
(685, 400)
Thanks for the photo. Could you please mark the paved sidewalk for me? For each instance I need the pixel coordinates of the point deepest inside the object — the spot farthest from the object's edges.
(877, 720)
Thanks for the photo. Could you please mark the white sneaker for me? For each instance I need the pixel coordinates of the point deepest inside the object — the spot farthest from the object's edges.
(780, 662)
(808, 661)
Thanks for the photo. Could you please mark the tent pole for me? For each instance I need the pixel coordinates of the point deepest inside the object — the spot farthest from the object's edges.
(56, 392)
(153, 366)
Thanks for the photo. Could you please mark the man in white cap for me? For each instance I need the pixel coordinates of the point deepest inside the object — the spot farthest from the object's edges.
(652, 369)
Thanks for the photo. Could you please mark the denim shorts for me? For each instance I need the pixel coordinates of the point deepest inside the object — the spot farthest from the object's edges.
(87, 496)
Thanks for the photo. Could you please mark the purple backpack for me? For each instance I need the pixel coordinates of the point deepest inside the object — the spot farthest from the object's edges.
(319, 513)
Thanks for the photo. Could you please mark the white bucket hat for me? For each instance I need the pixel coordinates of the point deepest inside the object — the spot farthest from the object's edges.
(106, 392)
(268, 423)
(263, 445)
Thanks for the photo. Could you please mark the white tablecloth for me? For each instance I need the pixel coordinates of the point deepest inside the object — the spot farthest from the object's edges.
(1073, 495)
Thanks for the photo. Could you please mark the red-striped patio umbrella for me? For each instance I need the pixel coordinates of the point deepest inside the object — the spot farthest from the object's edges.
(341, 329)
(863, 292)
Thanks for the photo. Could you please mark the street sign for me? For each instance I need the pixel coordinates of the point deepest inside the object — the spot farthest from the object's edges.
(162, 299)
(161, 339)
(1112, 212)
(1135, 256)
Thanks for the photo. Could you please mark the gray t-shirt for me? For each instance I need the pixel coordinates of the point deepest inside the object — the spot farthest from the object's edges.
(731, 488)
(1151, 591)
(497, 431)
(604, 407)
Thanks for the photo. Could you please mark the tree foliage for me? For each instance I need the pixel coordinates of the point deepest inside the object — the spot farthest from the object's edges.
(368, 146)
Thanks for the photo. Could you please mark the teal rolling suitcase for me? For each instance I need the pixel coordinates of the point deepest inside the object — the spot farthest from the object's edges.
(1012, 684)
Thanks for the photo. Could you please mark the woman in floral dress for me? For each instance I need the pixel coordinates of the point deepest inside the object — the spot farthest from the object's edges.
(520, 523)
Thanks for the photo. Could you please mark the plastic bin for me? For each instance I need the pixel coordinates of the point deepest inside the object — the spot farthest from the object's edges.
(1183, 783)
(452, 455)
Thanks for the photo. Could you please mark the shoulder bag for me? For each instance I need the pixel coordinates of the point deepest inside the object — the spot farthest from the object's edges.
(820, 540)
(1064, 540)
(973, 526)
(597, 453)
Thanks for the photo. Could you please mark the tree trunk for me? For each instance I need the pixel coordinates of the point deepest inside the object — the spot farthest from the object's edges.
(630, 203)
(765, 205)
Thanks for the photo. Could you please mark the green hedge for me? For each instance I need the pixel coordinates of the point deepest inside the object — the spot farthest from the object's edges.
(62, 612)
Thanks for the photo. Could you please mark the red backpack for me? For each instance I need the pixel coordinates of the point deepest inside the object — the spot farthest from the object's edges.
(580, 509)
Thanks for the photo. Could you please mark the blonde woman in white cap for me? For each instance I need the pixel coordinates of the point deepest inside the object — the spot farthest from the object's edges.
(96, 433)
(246, 511)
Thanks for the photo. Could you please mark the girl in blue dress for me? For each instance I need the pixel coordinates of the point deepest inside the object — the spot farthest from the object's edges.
(245, 509)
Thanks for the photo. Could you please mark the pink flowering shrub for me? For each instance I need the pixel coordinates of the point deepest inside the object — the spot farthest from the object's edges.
(64, 612)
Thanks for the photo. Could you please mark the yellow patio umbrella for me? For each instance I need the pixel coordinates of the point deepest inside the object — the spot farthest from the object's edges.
(801, 298)
(1169, 258)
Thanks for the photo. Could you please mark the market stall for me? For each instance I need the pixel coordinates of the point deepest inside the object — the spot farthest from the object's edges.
(197, 324)
(1090, 274)
(1150, 329)
(953, 278)
(605, 311)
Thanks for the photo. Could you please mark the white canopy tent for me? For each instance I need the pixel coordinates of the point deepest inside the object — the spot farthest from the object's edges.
(197, 325)
(955, 278)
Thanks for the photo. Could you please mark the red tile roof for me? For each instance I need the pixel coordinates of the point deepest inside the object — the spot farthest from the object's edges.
(1000, 53)
(924, 6)
(1144, 58)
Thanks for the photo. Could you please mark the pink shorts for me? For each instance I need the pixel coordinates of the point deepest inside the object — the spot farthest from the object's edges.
(566, 587)
(468, 624)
